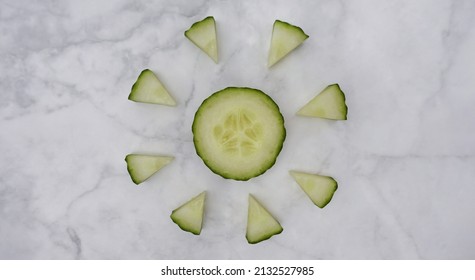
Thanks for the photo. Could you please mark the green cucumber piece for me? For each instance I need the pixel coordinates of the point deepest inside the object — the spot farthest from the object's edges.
(149, 89)
(261, 225)
(285, 38)
(142, 167)
(328, 104)
(203, 35)
(320, 189)
(189, 216)
(238, 132)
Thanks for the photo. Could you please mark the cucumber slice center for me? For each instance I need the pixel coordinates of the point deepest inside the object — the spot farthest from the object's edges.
(240, 133)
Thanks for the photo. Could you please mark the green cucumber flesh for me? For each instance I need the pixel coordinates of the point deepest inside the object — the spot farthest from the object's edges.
(319, 189)
(203, 35)
(328, 104)
(261, 225)
(142, 167)
(189, 216)
(238, 132)
(149, 89)
(285, 38)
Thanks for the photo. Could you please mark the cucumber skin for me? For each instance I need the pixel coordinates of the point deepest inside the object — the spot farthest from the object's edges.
(132, 90)
(263, 239)
(344, 101)
(136, 84)
(330, 197)
(292, 26)
(197, 23)
(130, 170)
(266, 237)
(177, 222)
(284, 134)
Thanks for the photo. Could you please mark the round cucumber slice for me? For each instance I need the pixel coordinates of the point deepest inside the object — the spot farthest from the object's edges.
(238, 132)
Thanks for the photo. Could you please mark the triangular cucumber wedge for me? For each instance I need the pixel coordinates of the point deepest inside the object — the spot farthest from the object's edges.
(189, 216)
(203, 35)
(328, 104)
(142, 167)
(320, 189)
(149, 89)
(261, 225)
(285, 38)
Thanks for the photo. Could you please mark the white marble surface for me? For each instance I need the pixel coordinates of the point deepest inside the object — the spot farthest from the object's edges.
(405, 159)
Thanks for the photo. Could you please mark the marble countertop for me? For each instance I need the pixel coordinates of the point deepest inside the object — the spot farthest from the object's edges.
(404, 160)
